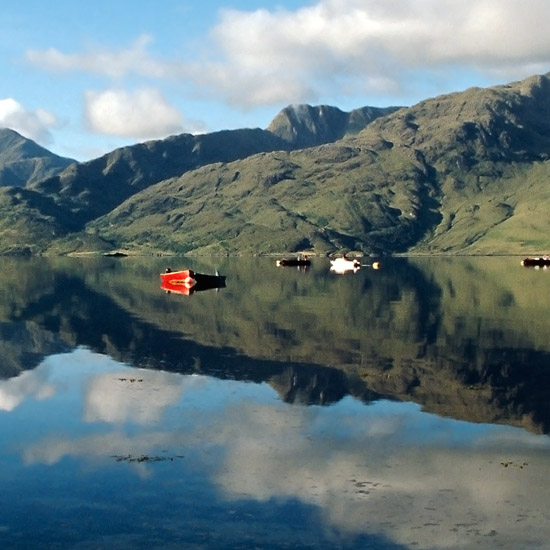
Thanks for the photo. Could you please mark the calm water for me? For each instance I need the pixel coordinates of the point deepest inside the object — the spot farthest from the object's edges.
(399, 408)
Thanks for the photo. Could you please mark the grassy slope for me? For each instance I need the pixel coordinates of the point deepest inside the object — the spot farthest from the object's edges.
(464, 173)
(23, 162)
(461, 173)
(313, 199)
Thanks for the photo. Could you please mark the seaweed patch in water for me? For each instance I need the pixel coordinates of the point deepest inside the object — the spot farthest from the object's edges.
(145, 458)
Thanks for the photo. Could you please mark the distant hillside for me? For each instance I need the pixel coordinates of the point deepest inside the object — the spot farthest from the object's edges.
(321, 200)
(23, 162)
(30, 222)
(462, 173)
(94, 188)
(487, 151)
(84, 191)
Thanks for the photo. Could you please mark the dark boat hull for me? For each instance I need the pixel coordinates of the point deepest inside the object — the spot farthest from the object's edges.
(536, 262)
(204, 282)
(298, 262)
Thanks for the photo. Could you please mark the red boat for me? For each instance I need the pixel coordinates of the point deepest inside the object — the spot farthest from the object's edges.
(183, 277)
(188, 281)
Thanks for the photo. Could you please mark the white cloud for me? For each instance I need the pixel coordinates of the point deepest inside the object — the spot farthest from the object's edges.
(35, 125)
(326, 49)
(118, 64)
(143, 114)
(367, 46)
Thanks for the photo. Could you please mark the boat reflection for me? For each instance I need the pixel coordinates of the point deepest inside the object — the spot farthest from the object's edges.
(187, 282)
(185, 290)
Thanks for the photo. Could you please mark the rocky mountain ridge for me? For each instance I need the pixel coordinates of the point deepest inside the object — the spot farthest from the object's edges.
(307, 126)
(24, 162)
(460, 173)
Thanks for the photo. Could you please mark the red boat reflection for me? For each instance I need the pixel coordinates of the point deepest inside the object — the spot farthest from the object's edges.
(187, 281)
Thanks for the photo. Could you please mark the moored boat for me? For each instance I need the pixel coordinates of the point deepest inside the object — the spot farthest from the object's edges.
(182, 277)
(187, 280)
(342, 265)
(538, 261)
(297, 262)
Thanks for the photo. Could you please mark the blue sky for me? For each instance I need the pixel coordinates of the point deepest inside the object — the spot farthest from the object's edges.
(84, 78)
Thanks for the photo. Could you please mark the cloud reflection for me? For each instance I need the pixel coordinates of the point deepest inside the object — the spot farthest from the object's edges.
(444, 492)
(139, 396)
(386, 468)
(15, 391)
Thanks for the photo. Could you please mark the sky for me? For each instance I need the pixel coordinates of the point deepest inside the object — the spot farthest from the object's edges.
(83, 78)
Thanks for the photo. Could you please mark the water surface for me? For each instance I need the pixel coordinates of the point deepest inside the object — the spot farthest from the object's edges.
(400, 408)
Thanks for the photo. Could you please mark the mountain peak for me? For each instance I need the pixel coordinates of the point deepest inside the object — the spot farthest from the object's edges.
(304, 125)
(23, 161)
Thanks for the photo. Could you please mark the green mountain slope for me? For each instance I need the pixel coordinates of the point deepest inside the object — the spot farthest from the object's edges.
(307, 200)
(94, 188)
(488, 151)
(461, 173)
(29, 222)
(57, 207)
(23, 162)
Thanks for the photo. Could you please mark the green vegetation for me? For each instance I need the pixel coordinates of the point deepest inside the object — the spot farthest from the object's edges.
(464, 173)
(23, 162)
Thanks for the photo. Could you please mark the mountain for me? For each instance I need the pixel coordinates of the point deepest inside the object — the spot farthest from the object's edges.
(461, 173)
(486, 151)
(307, 126)
(22, 161)
(85, 191)
(335, 197)
(94, 188)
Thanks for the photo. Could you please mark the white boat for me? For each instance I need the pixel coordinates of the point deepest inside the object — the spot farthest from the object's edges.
(343, 265)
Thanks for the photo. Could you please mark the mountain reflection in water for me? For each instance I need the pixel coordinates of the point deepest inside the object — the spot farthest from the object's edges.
(135, 418)
(465, 338)
(96, 452)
